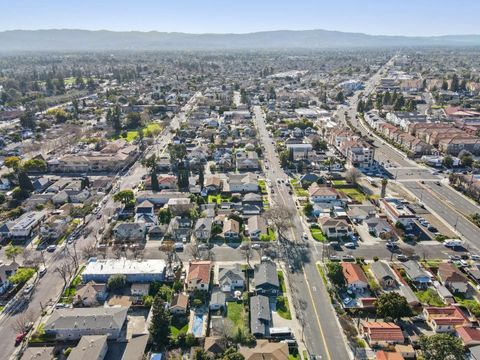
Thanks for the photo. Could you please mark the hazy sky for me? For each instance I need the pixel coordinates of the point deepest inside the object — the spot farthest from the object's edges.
(400, 17)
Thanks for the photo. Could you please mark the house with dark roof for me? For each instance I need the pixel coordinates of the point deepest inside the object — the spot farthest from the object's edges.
(231, 278)
(257, 226)
(129, 232)
(453, 279)
(417, 274)
(266, 278)
(260, 316)
(384, 275)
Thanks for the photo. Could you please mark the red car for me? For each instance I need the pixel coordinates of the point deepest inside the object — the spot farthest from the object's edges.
(19, 338)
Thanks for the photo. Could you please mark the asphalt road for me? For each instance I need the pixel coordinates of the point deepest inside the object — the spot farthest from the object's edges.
(322, 333)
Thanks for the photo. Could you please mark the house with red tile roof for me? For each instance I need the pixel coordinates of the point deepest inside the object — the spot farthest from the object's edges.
(445, 319)
(354, 276)
(385, 355)
(382, 333)
(199, 275)
(470, 336)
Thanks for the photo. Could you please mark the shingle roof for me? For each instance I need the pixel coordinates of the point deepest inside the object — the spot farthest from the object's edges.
(266, 273)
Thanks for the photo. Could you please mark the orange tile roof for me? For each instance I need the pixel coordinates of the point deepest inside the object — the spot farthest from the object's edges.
(353, 273)
(450, 315)
(384, 355)
(469, 335)
(199, 271)
(383, 331)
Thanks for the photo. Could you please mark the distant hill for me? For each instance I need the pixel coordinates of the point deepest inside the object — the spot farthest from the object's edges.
(85, 40)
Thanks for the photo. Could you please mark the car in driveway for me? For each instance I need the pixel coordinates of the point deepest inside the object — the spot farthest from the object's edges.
(256, 246)
(347, 301)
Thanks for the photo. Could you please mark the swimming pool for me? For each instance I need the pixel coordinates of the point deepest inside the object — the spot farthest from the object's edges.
(197, 325)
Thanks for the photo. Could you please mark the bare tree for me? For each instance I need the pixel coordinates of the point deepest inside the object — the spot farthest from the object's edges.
(65, 271)
(247, 254)
(280, 218)
(89, 251)
(23, 321)
(353, 175)
(193, 250)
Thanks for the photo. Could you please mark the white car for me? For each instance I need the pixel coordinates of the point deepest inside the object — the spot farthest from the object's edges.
(28, 289)
(256, 246)
(347, 301)
(266, 258)
(305, 236)
(350, 245)
(51, 248)
(42, 271)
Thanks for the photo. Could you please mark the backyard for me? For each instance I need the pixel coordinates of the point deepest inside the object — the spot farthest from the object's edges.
(354, 193)
(236, 313)
(262, 186)
(429, 297)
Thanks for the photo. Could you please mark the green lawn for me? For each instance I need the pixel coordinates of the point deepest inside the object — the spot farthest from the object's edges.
(429, 297)
(236, 314)
(339, 182)
(217, 199)
(283, 309)
(175, 331)
(297, 188)
(355, 194)
(317, 234)
(281, 281)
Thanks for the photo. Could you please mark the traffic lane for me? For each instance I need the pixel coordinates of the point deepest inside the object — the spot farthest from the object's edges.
(461, 204)
(450, 216)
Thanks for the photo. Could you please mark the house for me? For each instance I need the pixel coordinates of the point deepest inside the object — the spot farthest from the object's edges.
(38, 353)
(260, 316)
(387, 355)
(143, 271)
(361, 212)
(266, 278)
(470, 336)
(246, 160)
(384, 274)
(414, 271)
(165, 182)
(180, 228)
(217, 300)
(72, 324)
(300, 151)
(90, 294)
(179, 304)
(354, 276)
(257, 226)
(324, 194)
(379, 227)
(26, 225)
(407, 351)
(5, 184)
(241, 183)
(445, 319)
(145, 213)
(214, 345)
(203, 228)
(6, 270)
(180, 206)
(129, 232)
(335, 228)
(382, 333)
(397, 211)
(139, 289)
(265, 350)
(199, 275)
(452, 278)
(231, 229)
(231, 278)
(93, 347)
(212, 183)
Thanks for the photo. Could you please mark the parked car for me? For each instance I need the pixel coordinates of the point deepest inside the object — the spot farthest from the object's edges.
(28, 289)
(42, 271)
(401, 257)
(19, 338)
(347, 301)
(256, 246)
(475, 257)
(350, 245)
(51, 248)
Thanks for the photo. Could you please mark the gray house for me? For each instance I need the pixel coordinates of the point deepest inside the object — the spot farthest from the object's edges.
(260, 316)
(384, 275)
(266, 278)
(415, 272)
(231, 278)
(203, 228)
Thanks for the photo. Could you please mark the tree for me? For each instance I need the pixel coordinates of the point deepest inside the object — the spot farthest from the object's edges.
(134, 120)
(392, 305)
(447, 161)
(200, 354)
(23, 321)
(37, 165)
(154, 181)
(280, 218)
(319, 144)
(27, 120)
(116, 282)
(160, 325)
(466, 160)
(335, 274)
(455, 84)
(361, 106)
(126, 197)
(353, 175)
(22, 275)
(444, 85)
(12, 162)
(24, 181)
(340, 97)
(164, 216)
(232, 354)
(307, 209)
(165, 292)
(201, 177)
(441, 347)
(11, 252)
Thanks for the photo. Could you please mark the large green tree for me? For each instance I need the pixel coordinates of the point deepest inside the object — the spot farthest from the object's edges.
(392, 305)
(24, 182)
(335, 274)
(126, 197)
(160, 324)
(441, 347)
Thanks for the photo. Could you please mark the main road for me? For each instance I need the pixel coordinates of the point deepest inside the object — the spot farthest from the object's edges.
(435, 194)
(322, 333)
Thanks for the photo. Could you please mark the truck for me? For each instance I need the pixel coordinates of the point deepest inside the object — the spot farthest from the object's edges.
(453, 243)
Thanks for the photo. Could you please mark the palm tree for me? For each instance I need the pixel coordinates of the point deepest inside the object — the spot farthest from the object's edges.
(11, 252)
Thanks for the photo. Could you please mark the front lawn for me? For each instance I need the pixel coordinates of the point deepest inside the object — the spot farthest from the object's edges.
(283, 309)
(318, 235)
(236, 314)
(429, 297)
(281, 281)
(297, 188)
(269, 236)
(262, 186)
(354, 194)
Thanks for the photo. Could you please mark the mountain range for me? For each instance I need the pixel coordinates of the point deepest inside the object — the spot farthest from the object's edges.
(86, 40)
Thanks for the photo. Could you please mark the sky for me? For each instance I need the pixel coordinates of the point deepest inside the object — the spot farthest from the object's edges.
(378, 17)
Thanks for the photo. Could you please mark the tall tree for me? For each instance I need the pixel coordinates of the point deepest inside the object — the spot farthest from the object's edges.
(392, 305)
(27, 120)
(11, 252)
(455, 84)
(126, 197)
(24, 182)
(441, 347)
(160, 325)
(201, 176)
(154, 180)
